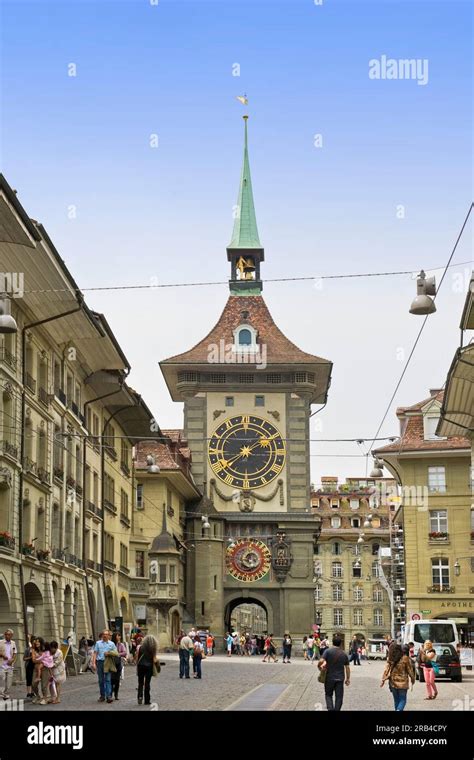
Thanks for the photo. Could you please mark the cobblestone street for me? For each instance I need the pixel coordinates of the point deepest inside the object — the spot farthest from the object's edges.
(249, 684)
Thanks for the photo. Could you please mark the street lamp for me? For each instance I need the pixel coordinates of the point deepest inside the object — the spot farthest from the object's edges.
(205, 522)
(151, 465)
(7, 323)
(368, 521)
(377, 471)
(425, 287)
(457, 565)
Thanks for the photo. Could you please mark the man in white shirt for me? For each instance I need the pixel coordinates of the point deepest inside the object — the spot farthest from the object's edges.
(186, 646)
(8, 654)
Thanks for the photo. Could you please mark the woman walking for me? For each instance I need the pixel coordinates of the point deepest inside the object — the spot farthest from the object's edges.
(119, 663)
(398, 672)
(40, 681)
(58, 672)
(147, 661)
(426, 658)
(29, 667)
(270, 651)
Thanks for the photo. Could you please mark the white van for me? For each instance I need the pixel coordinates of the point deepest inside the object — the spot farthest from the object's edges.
(436, 631)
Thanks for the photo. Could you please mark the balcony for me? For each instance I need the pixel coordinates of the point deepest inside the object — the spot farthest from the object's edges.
(125, 469)
(125, 520)
(95, 566)
(7, 357)
(79, 490)
(109, 565)
(110, 506)
(60, 395)
(58, 474)
(111, 452)
(124, 569)
(73, 559)
(440, 588)
(58, 554)
(74, 408)
(43, 397)
(44, 476)
(9, 449)
(70, 481)
(30, 467)
(163, 592)
(7, 543)
(30, 382)
(43, 555)
(97, 511)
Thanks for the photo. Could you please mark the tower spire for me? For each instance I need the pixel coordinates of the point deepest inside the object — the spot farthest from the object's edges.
(245, 250)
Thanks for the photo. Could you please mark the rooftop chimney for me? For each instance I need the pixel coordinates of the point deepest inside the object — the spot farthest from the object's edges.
(435, 391)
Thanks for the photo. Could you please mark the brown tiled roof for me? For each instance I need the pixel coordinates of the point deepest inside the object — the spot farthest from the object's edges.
(176, 434)
(165, 457)
(413, 435)
(280, 350)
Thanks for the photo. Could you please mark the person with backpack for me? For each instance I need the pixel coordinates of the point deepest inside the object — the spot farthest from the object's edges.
(335, 672)
(198, 653)
(426, 660)
(398, 672)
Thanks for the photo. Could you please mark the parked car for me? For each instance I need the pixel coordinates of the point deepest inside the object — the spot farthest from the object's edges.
(449, 664)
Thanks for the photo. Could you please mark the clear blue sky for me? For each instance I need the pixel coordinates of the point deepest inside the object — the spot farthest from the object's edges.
(166, 213)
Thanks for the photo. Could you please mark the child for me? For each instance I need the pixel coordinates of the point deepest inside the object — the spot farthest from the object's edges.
(58, 672)
(46, 664)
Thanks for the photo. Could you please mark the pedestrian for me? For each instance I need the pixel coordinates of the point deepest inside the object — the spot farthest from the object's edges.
(270, 649)
(309, 647)
(119, 663)
(335, 671)
(45, 663)
(148, 665)
(29, 667)
(305, 648)
(209, 644)
(198, 653)
(398, 672)
(354, 651)
(316, 652)
(8, 655)
(58, 672)
(185, 648)
(36, 651)
(287, 644)
(426, 658)
(229, 641)
(103, 648)
(324, 646)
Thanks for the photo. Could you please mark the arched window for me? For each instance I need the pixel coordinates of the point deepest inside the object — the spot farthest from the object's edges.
(375, 549)
(336, 548)
(245, 337)
(335, 522)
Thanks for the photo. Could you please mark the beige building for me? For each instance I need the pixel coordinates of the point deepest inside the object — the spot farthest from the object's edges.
(68, 422)
(434, 472)
(349, 596)
(159, 544)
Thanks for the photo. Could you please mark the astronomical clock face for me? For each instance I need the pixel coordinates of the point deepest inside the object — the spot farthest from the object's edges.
(246, 452)
(248, 560)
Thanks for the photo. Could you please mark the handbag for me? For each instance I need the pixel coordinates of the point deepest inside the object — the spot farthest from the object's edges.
(435, 668)
(156, 669)
(322, 676)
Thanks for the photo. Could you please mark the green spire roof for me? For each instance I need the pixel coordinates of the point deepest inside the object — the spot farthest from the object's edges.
(245, 233)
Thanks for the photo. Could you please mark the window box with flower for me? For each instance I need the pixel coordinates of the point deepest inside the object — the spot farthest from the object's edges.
(43, 555)
(437, 535)
(28, 549)
(7, 540)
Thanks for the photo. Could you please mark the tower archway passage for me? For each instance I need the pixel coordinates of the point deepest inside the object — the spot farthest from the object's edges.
(251, 613)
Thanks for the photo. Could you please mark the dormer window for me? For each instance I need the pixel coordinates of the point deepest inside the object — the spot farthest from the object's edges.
(430, 423)
(245, 338)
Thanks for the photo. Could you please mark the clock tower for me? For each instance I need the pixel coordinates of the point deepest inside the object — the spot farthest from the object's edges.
(247, 393)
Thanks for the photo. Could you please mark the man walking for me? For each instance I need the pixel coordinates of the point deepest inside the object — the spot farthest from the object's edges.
(335, 663)
(8, 654)
(185, 646)
(102, 649)
(354, 651)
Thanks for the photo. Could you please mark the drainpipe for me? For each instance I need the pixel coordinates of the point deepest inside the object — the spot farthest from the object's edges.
(22, 446)
(84, 553)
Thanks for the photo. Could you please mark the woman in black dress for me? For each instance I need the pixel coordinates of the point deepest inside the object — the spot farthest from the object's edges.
(147, 660)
